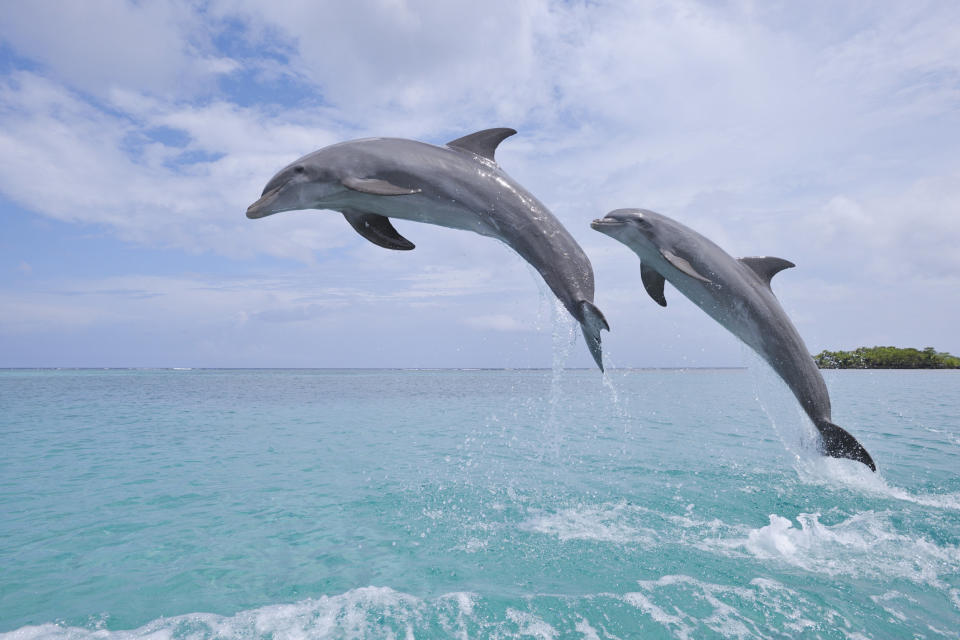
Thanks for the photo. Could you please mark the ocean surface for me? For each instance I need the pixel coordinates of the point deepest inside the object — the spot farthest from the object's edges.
(160, 504)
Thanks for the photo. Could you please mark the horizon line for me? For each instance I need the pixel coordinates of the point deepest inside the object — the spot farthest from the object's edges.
(93, 368)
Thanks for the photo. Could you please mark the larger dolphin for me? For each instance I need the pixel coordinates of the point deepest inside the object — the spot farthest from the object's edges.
(736, 293)
(458, 185)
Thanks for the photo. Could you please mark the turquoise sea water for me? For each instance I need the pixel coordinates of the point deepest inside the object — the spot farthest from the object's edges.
(508, 504)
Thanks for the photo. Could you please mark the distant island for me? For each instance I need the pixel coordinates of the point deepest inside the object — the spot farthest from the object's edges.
(886, 358)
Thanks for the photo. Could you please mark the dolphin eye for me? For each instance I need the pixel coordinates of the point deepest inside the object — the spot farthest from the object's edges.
(299, 169)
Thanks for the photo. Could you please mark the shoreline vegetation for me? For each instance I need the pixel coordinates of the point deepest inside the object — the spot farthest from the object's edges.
(886, 358)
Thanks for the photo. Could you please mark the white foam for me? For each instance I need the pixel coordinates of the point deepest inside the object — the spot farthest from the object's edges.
(833, 472)
(531, 625)
(731, 606)
(866, 544)
(883, 601)
(622, 523)
(588, 632)
(601, 523)
(671, 621)
(367, 612)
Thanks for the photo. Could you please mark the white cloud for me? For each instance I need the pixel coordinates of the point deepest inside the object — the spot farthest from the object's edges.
(331, 317)
(383, 61)
(97, 45)
(632, 104)
(64, 157)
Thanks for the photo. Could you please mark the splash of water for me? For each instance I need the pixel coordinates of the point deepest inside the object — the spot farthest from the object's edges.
(565, 332)
(865, 544)
(789, 422)
(853, 476)
(800, 438)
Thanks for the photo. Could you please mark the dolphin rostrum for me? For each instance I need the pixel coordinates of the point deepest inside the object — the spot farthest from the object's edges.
(458, 185)
(736, 293)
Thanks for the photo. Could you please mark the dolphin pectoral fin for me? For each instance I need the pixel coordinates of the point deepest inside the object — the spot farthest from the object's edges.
(653, 283)
(765, 266)
(377, 229)
(592, 322)
(483, 143)
(376, 187)
(682, 265)
(838, 443)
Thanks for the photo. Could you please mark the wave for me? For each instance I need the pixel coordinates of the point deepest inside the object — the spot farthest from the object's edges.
(674, 605)
(380, 612)
(729, 609)
(864, 545)
(681, 605)
(360, 613)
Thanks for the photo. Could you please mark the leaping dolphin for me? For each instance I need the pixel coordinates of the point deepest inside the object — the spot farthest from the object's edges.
(458, 185)
(736, 293)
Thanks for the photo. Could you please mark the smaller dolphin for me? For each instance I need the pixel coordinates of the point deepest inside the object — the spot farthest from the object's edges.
(736, 293)
(458, 185)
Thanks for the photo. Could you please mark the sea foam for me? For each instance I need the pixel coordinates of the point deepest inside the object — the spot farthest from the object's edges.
(360, 613)
(615, 523)
(691, 608)
(866, 544)
(833, 473)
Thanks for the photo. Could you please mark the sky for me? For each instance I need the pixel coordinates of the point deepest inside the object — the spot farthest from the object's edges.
(133, 135)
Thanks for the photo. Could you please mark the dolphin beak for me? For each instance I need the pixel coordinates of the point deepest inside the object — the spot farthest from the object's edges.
(261, 208)
(601, 223)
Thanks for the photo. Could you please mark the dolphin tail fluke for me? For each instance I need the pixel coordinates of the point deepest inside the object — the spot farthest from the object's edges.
(592, 321)
(837, 443)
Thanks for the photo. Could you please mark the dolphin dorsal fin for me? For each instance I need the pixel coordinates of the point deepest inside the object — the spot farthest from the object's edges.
(483, 143)
(765, 266)
(653, 283)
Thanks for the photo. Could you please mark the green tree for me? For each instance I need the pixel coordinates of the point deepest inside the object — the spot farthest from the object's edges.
(886, 358)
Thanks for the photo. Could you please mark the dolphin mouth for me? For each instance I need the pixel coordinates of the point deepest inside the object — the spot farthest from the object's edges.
(261, 208)
(599, 223)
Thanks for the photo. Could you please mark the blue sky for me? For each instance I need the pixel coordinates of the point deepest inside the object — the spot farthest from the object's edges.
(134, 135)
